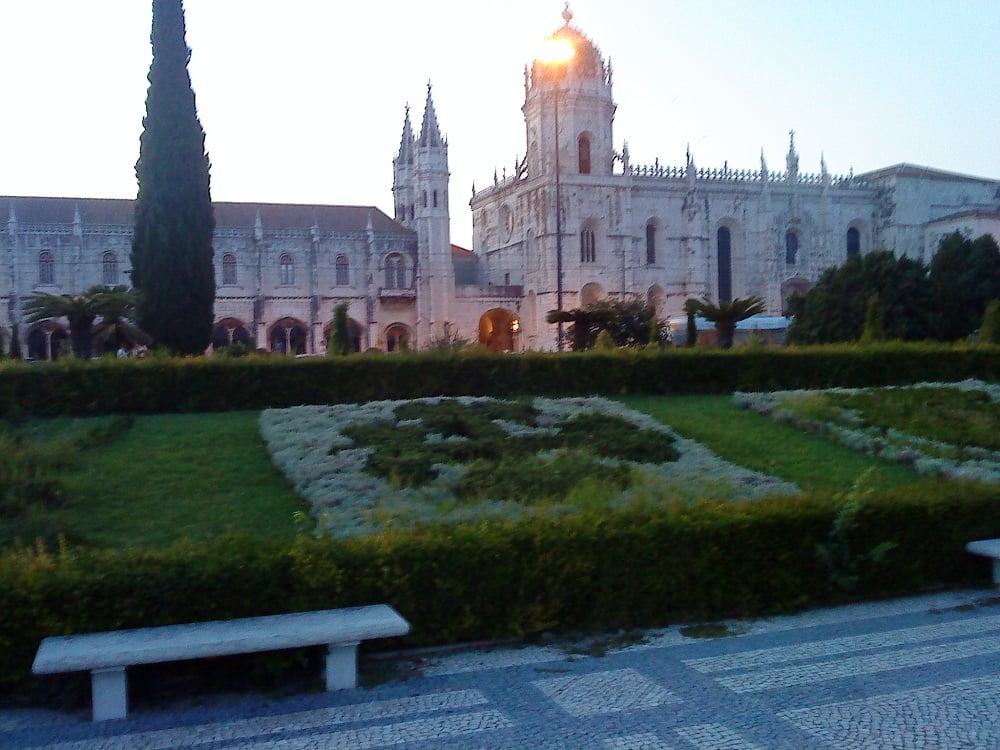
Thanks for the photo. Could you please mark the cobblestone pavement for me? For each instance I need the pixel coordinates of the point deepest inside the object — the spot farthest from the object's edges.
(921, 672)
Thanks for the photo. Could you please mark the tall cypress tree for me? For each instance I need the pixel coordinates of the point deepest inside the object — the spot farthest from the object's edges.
(174, 220)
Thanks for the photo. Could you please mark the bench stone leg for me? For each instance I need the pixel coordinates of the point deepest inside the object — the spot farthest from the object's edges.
(342, 666)
(109, 689)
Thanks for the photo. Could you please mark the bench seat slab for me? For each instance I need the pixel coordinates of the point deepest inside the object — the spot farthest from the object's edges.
(987, 548)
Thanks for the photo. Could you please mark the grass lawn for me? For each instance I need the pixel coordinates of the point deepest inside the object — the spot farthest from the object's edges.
(196, 476)
(758, 443)
(175, 476)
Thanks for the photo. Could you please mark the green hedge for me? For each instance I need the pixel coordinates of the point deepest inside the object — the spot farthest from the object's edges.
(159, 385)
(645, 567)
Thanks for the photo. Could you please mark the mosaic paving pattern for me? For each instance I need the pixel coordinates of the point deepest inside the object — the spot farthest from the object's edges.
(604, 692)
(917, 673)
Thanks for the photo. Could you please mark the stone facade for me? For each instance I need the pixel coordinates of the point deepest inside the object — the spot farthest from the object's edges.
(669, 233)
(660, 233)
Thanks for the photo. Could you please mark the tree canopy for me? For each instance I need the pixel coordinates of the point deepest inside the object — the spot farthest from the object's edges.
(113, 305)
(965, 277)
(726, 315)
(836, 307)
(174, 220)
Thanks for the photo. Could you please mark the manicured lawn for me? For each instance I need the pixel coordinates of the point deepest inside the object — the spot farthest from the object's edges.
(754, 441)
(175, 476)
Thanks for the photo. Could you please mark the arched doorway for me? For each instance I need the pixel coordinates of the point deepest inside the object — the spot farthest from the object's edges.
(499, 329)
(45, 341)
(229, 331)
(354, 329)
(288, 336)
(397, 338)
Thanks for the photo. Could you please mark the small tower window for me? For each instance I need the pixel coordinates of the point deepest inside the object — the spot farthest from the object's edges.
(228, 269)
(109, 269)
(583, 147)
(425, 199)
(588, 250)
(435, 199)
(343, 271)
(650, 244)
(853, 242)
(287, 270)
(791, 248)
(46, 268)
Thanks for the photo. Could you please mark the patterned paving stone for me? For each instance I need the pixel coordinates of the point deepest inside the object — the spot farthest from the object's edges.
(936, 687)
(604, 692)
(644, 741)
(765, 656)
(858, 665)
(716, 737)
(955, 715)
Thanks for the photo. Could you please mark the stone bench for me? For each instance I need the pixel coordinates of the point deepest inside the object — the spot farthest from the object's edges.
(106, 655)
(987, 548)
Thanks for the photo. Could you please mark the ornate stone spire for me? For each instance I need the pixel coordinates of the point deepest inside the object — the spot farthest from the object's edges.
(567, 14)
(407, 140)
(792, 160)
(430, 135)
(258, 228)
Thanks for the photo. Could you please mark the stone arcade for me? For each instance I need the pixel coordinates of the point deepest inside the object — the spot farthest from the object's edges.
(661, 233)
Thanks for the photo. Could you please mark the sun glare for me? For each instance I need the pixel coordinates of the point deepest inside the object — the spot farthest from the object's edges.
(556, 50)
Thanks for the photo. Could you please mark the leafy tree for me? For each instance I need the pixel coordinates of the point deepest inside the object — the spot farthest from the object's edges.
(15, 343)
(874, 329)
(628, 323)
(174, 220)
(835, 308)
(989, 333)
(340, 335)
(690, 308)
(965, 276)
(726, 315)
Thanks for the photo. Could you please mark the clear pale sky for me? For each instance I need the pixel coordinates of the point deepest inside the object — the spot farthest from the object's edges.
(303, 100)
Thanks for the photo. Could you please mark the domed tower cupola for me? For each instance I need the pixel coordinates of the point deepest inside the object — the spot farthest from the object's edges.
(570, 82)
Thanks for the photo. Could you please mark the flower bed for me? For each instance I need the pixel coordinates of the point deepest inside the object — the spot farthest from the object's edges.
(399, 463)
(902, 424)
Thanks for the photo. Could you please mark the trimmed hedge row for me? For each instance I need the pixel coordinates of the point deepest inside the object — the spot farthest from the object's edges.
(645, 567)
(159, 385)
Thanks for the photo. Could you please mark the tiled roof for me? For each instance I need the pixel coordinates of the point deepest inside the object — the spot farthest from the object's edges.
(230, 215)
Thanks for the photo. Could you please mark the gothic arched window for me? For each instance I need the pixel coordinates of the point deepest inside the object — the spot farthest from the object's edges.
(287, 270)
(791, 248)
(109, 269)
(588, 249)
(724, 242)
(583, 147)
(395, 272)
(650, 244)
(343, 271)
(853, 242)
(228, 269)
(46, 268)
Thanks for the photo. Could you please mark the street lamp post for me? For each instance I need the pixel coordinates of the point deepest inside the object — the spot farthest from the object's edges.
(557, 53)
(559, 247)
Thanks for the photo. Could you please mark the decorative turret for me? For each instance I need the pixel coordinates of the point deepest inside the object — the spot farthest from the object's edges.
(402, 174)
(570, 76)
(430, 134)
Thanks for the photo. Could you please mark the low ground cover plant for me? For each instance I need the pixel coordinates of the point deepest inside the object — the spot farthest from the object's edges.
(948, 429)
(390, 463)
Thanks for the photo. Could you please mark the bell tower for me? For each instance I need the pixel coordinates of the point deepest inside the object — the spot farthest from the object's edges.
(569, 83)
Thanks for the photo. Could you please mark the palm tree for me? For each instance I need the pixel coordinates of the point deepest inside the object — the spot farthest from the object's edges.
(726, 315)
(110, 304)
(116, 307)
